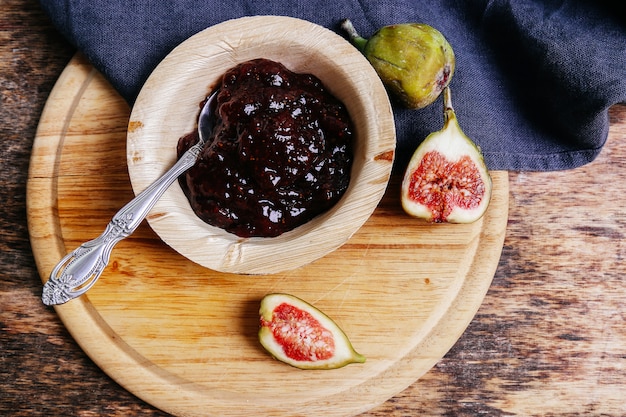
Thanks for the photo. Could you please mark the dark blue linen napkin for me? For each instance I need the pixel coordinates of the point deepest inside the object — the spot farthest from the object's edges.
(533, 82)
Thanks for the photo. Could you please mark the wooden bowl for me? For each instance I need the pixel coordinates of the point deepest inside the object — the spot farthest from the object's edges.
(167, 108)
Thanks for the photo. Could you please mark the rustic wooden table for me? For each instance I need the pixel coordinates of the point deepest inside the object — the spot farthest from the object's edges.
(549, 339)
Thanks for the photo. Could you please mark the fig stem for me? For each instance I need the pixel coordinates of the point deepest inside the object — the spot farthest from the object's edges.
(448, 110)
(354, 36)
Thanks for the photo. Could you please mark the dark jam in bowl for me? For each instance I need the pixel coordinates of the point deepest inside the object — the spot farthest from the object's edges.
(280, 153)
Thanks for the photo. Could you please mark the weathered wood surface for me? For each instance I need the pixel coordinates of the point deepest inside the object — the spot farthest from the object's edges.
(549, 338)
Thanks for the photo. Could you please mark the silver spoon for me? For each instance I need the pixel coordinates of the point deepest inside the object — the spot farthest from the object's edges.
(79, 270)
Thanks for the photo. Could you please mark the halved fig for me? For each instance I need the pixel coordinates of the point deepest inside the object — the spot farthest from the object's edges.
(295, 332)
(446, 179)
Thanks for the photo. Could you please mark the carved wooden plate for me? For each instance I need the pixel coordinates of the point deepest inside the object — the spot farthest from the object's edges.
(184, 338)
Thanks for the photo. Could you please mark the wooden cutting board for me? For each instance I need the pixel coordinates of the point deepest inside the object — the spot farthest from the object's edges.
(184, 338)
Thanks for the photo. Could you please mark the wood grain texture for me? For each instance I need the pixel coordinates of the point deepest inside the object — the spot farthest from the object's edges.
(548, 339)
(183, 337)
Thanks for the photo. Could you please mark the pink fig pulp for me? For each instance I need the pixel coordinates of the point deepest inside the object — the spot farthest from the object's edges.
(295, 332)
(446, 179)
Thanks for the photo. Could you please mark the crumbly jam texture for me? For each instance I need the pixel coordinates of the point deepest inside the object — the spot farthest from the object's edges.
(280, 153)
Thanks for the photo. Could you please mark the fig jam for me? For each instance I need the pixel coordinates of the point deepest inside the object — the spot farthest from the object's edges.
(279, 155)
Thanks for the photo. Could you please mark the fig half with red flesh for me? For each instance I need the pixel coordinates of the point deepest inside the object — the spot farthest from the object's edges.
(446, 179)
(295, 332)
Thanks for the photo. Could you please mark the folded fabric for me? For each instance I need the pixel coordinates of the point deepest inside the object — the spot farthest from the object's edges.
(533, 83)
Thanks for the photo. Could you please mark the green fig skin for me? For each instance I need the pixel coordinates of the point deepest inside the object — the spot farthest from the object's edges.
(447, 180)
(414, 60)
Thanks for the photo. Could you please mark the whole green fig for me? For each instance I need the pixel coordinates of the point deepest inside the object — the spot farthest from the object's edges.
(414, 60)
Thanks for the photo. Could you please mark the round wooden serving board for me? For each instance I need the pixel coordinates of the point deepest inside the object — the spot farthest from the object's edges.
(184, 338)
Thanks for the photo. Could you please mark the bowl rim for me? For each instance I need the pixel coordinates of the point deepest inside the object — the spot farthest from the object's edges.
(194, 68)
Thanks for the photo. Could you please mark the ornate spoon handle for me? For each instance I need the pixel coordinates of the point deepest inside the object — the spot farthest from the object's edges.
(79, 270)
